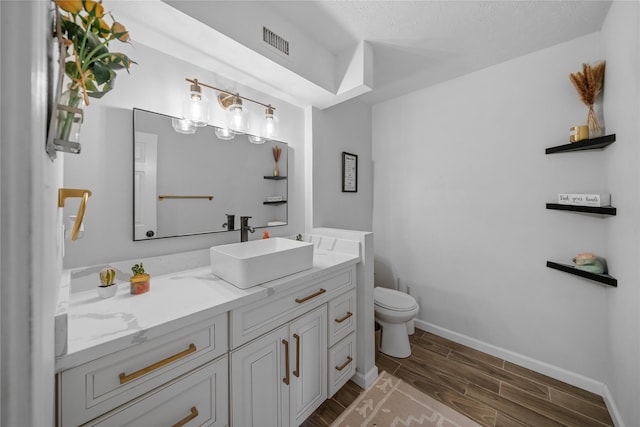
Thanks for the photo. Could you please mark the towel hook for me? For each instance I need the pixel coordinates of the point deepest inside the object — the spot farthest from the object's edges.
(64, 193)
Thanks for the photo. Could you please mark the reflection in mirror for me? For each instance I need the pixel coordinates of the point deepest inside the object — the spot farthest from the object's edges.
(189, 183)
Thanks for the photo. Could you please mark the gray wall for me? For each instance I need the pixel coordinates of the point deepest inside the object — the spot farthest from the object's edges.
(345, 127)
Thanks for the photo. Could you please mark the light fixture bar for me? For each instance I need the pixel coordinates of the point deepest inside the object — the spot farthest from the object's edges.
(198, 82)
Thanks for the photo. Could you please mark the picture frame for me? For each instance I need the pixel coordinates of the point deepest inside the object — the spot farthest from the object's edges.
(349, 173)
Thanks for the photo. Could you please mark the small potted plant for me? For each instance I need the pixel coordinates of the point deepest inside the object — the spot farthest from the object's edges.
(140, 281)
(107, 288)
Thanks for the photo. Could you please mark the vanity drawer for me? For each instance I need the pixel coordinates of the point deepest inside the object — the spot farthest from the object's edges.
(342, 363)
(256, 319)
(342, 316)
(199, 398)
(101, 385)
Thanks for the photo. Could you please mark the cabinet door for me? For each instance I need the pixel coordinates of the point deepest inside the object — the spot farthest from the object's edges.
(259, 389)
(308, 337)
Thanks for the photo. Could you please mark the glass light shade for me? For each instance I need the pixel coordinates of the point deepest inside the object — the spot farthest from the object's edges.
(195, 108)
(225, 134)
(256, 139)
(238, 118)
(183, 126)
(270, 125)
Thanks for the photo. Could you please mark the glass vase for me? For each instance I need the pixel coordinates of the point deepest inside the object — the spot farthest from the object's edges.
(69, 116)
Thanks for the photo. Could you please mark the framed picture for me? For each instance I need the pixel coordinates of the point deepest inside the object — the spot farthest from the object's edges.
(349, 173)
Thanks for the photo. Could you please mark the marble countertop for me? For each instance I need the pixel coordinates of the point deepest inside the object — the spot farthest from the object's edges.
(97, 327)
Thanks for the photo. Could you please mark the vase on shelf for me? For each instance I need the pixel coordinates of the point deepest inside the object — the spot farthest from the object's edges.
(276, 156)
(595, 128)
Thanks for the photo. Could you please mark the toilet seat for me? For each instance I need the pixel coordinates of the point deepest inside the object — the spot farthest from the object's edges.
(393, 300)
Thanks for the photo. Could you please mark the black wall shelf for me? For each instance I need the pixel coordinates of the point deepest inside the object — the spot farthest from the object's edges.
(600, 278)
(601, 210)
(585, 144)
(277, 178)
(275, 203)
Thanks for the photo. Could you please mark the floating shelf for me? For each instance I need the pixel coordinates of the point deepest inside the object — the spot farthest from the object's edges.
(585, 144)
(601, 278)
(601, 210)
(277, 178)
(275, 203)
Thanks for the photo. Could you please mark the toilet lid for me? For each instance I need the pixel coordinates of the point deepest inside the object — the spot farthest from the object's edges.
(393, 300)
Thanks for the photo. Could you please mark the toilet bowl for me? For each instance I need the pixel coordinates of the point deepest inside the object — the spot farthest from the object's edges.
(393, 310)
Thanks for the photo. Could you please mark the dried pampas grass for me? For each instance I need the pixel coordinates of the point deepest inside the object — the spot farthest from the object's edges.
(588, 84)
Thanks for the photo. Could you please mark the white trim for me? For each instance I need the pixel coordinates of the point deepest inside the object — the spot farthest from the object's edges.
(616, 417)
(552, 371)
(364, 381)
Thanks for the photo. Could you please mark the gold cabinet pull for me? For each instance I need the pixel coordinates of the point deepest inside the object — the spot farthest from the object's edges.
(307, 298)
(345, 364)
(345, 317)
(126, 378)
(297, 371)
(286, 361)
(192, 415)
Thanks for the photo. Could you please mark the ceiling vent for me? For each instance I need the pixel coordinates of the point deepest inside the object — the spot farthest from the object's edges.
(275, 40)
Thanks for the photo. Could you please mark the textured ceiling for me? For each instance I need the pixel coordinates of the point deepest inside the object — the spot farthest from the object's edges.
(420, 43)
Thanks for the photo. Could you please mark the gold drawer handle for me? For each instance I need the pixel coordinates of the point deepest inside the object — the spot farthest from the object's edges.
(126, 378)
(194, 413)
(344, 365)
(346, 316)
(301, 300)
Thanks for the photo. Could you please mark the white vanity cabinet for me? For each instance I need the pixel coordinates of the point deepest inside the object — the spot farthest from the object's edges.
(149, 380)
(280, 376)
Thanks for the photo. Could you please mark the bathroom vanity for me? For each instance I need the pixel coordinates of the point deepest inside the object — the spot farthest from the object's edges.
(196, 350)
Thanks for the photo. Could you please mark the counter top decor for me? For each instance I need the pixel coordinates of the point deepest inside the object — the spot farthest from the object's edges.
(107, 288)
(140, 281)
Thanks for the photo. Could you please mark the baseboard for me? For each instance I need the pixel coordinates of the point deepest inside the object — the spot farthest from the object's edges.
(611, 407)
(552, 371)
(365, 380)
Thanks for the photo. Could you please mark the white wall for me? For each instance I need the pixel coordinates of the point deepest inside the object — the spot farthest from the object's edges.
(344, 127)
(621, 44)
(460, 186)
(157, 83)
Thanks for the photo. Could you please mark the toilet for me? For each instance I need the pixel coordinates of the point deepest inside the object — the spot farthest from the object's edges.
(394, 311)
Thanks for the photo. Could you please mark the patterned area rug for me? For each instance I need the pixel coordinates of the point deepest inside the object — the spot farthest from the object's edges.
(391, 402)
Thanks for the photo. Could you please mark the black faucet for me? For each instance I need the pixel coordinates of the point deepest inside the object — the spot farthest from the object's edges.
(244, 227)
(231, 222)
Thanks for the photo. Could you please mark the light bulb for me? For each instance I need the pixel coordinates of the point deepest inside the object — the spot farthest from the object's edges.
(183, 126)
(195, 106)
(271, 124)
(237, 117)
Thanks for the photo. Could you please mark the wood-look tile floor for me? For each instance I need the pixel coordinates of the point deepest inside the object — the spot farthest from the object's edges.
(489, 390)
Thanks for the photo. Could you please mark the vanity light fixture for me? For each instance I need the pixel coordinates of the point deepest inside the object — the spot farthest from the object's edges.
(225, 134)
(256, 139)
(195, 106)
(270, 124)
(195, 109)
(183, 126)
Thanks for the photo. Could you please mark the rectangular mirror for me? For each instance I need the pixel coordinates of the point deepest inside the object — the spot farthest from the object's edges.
(187, 184)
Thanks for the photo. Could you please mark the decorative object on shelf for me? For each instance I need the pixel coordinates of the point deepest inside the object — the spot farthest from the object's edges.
(89, 67)
(585, 199)
(588, 84)
(140, 281)
(578, 133)
(349, 173)
(589, 262)
(276, 156)
(107, 288)
(195, 113)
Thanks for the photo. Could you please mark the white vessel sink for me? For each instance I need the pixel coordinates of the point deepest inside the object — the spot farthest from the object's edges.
(251, 263)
